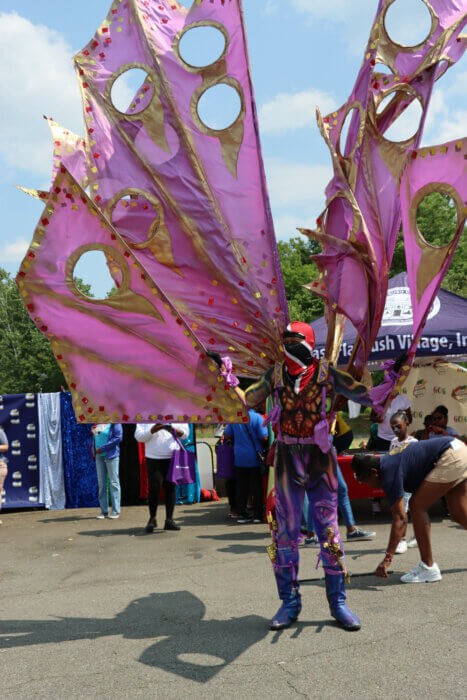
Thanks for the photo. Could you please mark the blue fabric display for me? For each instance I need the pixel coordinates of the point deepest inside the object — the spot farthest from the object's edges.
(19, 419)
(80, 470)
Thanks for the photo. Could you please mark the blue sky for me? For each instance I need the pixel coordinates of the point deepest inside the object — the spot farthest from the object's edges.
(303, 53)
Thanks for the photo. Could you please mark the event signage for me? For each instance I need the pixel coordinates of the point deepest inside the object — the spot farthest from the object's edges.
(445, 331)
(431, 384)
(19, 420)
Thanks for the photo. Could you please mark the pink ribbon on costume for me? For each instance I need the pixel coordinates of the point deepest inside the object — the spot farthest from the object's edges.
(379, 394)
(230, 378)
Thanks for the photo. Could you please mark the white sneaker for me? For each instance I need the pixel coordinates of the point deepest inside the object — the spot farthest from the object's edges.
(401, 547)
(412, 543)
(101, 516)
(422, 574)
(114, 516)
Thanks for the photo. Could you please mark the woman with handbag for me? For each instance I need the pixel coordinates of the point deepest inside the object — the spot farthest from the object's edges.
(160, 442)
(249, 441)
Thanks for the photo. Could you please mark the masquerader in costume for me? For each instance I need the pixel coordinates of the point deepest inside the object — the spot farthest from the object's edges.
(303, 390)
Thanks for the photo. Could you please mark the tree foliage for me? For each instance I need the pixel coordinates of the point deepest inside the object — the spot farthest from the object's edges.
(437, 221)
(297, 270)
(27, 362)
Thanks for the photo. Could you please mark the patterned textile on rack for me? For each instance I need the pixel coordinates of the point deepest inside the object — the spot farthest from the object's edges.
(51, 475)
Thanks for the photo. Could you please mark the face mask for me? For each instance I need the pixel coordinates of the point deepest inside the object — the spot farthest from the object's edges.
(299, 353)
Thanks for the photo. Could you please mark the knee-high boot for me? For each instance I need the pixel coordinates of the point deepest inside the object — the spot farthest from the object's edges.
(324, 504)
(335, 592)
(286, 572)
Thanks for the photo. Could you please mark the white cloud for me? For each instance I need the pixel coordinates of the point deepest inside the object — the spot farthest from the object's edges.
(14, 252)
(296, 183)
(333, 10)
(286, 225)
(447, 113)
(37, 77)
(452, 127)
(270, 7)
(290, 111)
(408, 21)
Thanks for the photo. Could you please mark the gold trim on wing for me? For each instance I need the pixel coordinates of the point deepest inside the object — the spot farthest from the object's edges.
(433, 256)
(388, 50)
(202, 23)
(231, 137)
(152, 116)
(158, 239)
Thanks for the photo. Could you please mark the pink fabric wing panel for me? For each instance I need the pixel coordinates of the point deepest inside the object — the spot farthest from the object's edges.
(190, 200)
(435, 169)
(363, 204)
(68, 151)
(129, 357)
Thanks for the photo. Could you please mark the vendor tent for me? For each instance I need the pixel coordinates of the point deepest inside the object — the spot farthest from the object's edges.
(445, 332)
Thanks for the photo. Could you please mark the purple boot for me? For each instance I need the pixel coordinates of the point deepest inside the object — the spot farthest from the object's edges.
(287, 613)
(287, 585)
(335, 592)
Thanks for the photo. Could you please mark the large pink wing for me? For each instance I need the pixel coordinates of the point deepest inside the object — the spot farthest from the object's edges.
(130, 357)
(435, 169)
(191, 201)
(361, 222)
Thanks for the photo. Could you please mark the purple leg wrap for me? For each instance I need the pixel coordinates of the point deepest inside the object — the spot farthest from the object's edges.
(301, 467)
(289, 500)
(323, 500)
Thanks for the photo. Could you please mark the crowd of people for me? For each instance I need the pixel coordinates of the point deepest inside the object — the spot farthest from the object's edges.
(413, 470)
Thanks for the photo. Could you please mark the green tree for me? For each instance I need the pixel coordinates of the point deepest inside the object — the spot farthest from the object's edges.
(298, 270)
(27, 362)
(437, 221)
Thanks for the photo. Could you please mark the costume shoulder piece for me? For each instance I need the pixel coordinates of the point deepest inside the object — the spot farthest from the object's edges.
(349, 387)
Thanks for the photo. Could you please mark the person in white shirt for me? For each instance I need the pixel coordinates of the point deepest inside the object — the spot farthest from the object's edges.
(400, 428)
(160, 442)
(385, 432)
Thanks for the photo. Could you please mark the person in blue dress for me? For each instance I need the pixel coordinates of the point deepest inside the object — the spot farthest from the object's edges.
(106, 450)
(248, 440)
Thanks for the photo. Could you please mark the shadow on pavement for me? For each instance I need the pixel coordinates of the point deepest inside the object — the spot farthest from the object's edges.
(129, 531)
(241, 535)
(243, 549)
(191, 647)
(68, 519)
(369, 582)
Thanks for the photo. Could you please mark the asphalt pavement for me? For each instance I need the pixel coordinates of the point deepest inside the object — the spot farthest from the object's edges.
(98, 609)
